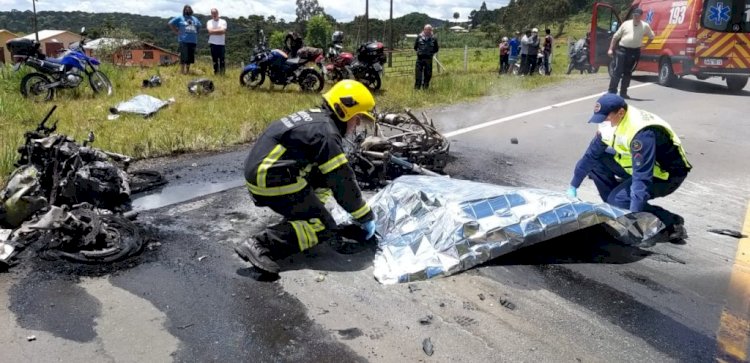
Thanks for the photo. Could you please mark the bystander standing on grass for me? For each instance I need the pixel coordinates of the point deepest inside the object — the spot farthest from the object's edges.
(504, 51)
(186, 27)
(217, 29)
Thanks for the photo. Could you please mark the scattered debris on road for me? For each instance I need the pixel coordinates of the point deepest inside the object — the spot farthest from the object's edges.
(458, 224)
(481, 296)
(507, 304)
(728, 232)
(413, 288)
(427, 347)
(514, 141)
(349, 334)
(201, 258)
(320, 278)
(31, 338)
(427, 320)
(183, 327)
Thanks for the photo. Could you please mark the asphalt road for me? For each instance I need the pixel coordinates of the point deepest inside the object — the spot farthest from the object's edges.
(582, 297)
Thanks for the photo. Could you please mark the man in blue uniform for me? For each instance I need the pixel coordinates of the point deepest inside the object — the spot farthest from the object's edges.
(638, 159)
(296, 164)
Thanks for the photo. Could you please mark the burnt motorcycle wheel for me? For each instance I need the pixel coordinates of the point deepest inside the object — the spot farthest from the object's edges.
(372, 81)
(116, 239)
(252, 79)
(32, 87)
(310, 80)
(100, 83)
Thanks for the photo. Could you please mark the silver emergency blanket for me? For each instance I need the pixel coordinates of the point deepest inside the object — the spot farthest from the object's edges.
(436, 226)
(142, 104)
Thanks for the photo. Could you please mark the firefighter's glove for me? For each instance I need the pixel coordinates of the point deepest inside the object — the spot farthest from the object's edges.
(369, 227)
(572, 192)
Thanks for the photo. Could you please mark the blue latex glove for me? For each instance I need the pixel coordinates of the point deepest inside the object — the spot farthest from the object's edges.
(369, 227)
(572, 192)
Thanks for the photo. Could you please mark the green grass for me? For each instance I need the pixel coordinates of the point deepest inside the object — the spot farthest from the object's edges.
(231, 115)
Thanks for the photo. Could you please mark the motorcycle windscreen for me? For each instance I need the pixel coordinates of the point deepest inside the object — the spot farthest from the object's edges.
(430, 228)
(604, 24)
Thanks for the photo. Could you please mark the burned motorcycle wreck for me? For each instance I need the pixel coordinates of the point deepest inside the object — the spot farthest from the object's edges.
(397, 144)
(71, 200)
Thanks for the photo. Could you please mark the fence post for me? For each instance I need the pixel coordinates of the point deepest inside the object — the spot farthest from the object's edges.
(466, 58)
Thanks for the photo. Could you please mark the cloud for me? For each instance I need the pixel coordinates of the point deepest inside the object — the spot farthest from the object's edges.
(342, 10)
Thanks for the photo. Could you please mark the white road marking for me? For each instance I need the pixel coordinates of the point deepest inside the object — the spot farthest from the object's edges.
(528, 113)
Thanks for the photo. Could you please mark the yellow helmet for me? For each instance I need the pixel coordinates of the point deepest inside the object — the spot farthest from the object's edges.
(349, 98)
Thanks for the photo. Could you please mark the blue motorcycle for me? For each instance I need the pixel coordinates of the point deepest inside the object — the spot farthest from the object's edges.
(281, 70)
(67, 71)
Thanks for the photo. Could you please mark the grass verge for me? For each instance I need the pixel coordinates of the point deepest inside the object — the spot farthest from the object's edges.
(232, 114)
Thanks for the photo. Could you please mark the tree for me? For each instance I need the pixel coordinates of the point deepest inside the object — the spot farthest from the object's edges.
(319, 31)
(306, 9)
(483, 7)
(276, 41)
(456, 15)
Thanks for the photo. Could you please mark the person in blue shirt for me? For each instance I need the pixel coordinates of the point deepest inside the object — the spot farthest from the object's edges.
(637, 159)
(186, 27)
(515, 49)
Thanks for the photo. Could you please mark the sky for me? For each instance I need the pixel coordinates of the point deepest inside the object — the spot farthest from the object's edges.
(342, 10)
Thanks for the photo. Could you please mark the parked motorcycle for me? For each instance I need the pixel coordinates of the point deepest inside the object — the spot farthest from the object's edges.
(578, 52)
(338, 63)
(368, 67)
(67, 71)
(281, 70)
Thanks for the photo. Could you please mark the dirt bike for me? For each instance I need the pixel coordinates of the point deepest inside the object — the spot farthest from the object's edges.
(67, 71)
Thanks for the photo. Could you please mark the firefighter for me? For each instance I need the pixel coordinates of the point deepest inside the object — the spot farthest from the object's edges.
(295, 165)
(639, 158)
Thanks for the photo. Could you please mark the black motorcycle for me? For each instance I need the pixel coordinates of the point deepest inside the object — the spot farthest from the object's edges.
(368, 67)
(67, 71)
(578, 52)
(281, 70)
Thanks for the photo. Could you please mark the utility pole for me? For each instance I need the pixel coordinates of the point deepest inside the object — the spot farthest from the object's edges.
(36, 30)
(367, 21)
(390, 37)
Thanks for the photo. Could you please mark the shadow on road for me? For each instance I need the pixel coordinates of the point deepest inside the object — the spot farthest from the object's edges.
(590, 245)
(694, 86)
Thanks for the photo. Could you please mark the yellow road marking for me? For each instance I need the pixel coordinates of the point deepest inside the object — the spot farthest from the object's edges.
(734, 330)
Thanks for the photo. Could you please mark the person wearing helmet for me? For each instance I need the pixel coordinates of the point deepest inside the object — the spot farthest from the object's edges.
(504, 54)
(295, 165)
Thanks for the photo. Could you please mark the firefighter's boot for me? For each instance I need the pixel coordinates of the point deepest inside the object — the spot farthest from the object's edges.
(258, 255)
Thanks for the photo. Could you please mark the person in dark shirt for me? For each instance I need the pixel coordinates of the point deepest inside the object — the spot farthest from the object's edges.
(426, 47)
(532, 57)
(547, 49)
(637, 159)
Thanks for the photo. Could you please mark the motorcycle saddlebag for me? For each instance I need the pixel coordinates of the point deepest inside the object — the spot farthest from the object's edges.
(22, 47)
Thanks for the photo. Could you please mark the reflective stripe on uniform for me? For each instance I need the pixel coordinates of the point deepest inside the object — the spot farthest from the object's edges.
(267, 163)
(307, 232)
(324, 194)
(276, 191)
(333, 163)
(361, 212)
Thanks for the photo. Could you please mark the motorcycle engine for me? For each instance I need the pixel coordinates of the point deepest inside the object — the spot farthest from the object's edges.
(72, 78)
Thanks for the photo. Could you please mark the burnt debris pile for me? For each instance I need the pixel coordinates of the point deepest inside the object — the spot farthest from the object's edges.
(70, 200)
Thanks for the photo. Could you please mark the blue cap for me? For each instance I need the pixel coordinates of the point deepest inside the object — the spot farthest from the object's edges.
(606, 104)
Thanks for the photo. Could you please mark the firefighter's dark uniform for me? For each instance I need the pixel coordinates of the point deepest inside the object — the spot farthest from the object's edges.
(426, 48)
(296, 156)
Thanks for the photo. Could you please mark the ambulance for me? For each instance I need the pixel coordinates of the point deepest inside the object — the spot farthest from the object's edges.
(701, 38)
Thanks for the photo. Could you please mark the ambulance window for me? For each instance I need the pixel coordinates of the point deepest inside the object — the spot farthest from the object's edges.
(726, 16)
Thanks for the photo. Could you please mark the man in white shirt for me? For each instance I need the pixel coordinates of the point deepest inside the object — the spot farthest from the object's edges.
(626, 48)
(217, 29)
